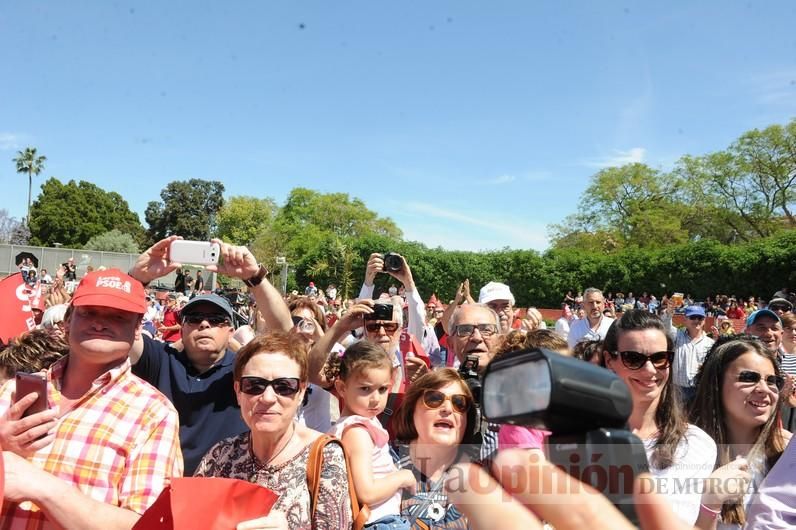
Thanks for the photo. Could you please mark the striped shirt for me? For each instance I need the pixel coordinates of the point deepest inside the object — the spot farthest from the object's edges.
(788, 364)
(119, 444)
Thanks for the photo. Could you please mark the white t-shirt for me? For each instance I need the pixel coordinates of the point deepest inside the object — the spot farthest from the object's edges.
(581, 330)
(681, 483)
(562, 327)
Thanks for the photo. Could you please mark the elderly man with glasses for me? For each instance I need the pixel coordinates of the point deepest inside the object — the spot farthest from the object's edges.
(691, 345)
(197, 376)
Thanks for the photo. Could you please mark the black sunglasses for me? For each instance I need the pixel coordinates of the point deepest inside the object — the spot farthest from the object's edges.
(777, 307)
(198, 318)
(434, 399)
(696, 317)
(283, 386)
(634, 360)
(752, 377)
(389, 327)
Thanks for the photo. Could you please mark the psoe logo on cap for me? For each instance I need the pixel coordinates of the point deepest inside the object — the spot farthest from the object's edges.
(114, 282)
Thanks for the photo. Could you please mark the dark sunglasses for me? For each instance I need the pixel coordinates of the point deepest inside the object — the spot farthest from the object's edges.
(198, 318)
(465, 330)
(696, 317)
(389, 327)
(434, 399)
(777, 307)
(283, 386)
(634, 360)
(751, 377)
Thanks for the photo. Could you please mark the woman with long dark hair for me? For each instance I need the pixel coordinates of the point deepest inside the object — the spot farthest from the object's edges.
(638, 349)
(737, 404)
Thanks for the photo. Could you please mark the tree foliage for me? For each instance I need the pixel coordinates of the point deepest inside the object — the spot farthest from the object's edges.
(113, 241)
(739, 194)
(73, 213)
(8, 225)
(241, 219)
(30, 162)
(187, 208)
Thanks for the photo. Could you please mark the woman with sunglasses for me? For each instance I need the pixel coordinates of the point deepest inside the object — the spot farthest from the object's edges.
(638, 349)
(435, 424)
(737, 403)
(270, 379)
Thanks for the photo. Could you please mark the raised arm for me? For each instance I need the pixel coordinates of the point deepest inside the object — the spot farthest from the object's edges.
(352, 320)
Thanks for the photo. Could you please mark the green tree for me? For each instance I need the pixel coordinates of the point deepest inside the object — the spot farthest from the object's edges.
(28, 162)
(113, 241)
(629, 205)
(241, 219)
(72, 213)
(187, 208)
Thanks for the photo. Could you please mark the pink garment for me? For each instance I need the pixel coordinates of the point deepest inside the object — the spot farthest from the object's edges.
(382, 460)
(516, 436)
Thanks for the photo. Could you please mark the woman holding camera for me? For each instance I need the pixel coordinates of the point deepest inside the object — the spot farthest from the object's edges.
(437, 423)
(638, 349)
(270, 379)
(737, 403)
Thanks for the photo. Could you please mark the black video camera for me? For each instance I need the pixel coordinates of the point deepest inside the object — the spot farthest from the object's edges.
(585, 407)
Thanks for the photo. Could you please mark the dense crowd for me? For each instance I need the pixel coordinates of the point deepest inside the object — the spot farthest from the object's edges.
(307, 394)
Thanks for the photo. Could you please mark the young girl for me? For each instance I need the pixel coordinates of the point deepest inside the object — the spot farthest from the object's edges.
(362, 378)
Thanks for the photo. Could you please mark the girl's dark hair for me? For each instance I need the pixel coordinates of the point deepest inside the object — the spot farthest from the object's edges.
(357, 357)
(707, 411)
(585, 350)
(670, 417)
(404, 421)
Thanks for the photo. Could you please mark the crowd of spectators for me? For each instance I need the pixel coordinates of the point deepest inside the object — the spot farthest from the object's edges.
(144, 386)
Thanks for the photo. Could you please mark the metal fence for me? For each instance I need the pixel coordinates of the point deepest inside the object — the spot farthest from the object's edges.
(52, 258)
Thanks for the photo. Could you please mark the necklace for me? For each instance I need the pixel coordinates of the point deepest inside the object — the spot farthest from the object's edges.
(256, 465)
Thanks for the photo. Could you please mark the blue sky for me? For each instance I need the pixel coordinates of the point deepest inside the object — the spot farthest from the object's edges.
(472, 124)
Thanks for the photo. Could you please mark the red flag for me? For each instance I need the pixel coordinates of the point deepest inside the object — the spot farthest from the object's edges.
(15, 314)
(206, 503)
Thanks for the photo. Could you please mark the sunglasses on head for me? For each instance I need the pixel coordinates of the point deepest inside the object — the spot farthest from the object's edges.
(434, 399)
(283, 386)
(198, 318)
(465, 330)
(634, 360)
(389, 327)
(772, 381)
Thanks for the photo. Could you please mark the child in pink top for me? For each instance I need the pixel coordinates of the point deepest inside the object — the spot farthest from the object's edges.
(363, 379)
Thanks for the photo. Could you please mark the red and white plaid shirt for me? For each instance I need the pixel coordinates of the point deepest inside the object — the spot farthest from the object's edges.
(119, 444)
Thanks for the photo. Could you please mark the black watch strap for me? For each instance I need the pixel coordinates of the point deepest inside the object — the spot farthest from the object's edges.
(257, 279)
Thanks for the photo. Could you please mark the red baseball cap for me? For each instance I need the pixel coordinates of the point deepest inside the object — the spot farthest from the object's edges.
(111, 288)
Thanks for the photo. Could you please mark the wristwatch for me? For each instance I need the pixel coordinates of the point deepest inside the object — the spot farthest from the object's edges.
(257, 279)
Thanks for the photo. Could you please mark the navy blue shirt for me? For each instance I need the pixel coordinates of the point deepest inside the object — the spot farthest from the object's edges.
(206, 402)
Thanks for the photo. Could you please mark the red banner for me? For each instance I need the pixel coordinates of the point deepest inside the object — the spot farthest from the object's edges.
(15, 314)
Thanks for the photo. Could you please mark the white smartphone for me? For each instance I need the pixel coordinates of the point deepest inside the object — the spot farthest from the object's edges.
(194, 252)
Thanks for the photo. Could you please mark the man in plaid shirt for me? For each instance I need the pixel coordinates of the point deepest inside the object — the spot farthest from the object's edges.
(102, 453)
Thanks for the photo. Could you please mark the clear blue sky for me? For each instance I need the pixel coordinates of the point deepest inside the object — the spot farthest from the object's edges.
(472, 124)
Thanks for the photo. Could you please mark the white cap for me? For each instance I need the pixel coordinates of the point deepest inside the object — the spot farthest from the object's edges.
(53, 315)
(495, 291)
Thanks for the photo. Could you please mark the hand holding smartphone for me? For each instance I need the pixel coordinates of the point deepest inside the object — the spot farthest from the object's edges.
(194, 252)
(27, 384)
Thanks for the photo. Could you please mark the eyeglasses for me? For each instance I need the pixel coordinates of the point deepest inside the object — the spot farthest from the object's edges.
(465, 330)
(696, 317)
(198, 318)
(634, 360)
(434, 399)
(389, 327)
(283, 386)
(772, 381)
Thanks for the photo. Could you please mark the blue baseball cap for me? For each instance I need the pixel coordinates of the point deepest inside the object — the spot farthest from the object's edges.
(762, 313)
(694, 311)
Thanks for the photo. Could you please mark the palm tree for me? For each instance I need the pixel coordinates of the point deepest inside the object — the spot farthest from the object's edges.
(28, 162)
